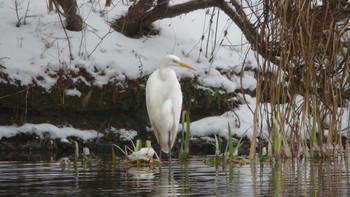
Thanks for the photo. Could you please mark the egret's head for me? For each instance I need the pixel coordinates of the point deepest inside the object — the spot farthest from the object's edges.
(172, 60)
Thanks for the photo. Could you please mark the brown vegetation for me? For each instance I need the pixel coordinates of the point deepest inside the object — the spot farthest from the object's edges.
(308, 43)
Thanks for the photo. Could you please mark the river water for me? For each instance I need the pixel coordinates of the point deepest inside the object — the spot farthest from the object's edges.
(45, 177)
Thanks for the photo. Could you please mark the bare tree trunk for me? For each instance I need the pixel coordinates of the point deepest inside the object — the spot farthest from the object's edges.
(50, 5)
(140, 16)
(131, 24)
(73, 20)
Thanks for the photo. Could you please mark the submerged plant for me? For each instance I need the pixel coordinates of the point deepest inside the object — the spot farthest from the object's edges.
(86, 158)
(138, 145)
(229, 147)
(114, 161)
(76, 157)
(276, 140)
(185, 137)
(230, 155)
(217, 145)
(65, 162)
(140, 156)
(233, 150)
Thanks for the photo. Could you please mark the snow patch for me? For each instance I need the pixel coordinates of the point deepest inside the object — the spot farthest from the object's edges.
(48, 129)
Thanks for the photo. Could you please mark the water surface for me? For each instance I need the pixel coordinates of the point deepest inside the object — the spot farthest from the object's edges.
(285, 178)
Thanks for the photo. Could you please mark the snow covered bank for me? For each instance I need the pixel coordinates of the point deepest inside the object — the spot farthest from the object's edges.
(48, 130)
(37, 53)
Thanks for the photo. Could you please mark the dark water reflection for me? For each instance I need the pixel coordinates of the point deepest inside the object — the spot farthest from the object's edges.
(285, 178)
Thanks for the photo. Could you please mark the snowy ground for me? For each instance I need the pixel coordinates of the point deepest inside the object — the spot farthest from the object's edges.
(31, 52)
(36, 50)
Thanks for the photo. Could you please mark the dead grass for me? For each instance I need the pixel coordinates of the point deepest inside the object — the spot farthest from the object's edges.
(306, 87)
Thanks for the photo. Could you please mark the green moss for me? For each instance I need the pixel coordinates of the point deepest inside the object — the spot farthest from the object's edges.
(187, 93)
(40, 78)
(217, 97)
(207, 97)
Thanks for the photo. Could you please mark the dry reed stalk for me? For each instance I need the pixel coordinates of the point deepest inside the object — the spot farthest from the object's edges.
(253, 140)
(308, 40)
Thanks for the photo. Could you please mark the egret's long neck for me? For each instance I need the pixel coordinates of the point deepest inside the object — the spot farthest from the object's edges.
(164, 71)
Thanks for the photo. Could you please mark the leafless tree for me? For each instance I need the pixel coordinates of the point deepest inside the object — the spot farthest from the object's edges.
(74, 22)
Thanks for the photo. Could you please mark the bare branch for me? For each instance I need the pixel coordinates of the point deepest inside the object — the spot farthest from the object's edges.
(101, 39)
(19, 23)
(65, 32)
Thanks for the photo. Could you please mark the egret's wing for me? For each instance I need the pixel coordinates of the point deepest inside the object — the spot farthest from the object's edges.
(176, 112)
(152, 100)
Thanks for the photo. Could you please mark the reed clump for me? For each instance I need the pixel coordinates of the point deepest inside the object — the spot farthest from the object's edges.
(229, 157)
(303, 84)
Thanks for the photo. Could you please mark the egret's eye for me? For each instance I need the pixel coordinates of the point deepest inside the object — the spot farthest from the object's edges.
(174, 61)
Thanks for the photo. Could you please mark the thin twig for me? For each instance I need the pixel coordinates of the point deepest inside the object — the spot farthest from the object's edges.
(101, 39)
(65, 32)
(9, 95)
(26, 14)
(18, 24)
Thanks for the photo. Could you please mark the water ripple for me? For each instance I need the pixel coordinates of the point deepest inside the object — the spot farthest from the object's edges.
(287, 178)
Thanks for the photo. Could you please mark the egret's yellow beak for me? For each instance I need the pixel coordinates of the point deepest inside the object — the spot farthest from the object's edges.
(185, 65)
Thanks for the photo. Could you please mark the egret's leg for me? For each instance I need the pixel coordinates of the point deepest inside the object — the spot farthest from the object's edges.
(169, 145)
(170, 161)
(160, 157)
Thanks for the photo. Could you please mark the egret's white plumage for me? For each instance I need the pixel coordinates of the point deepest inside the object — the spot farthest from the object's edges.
(164, 101)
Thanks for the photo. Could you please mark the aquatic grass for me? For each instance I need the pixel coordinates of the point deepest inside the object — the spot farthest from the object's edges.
(252, 150)
(313, 142)
(121, 150)
(76, 157)
(233, 150)
(231, 172)
(276, 142)
(136, 157)
(276, 177)
(229, 147)
(138, 145)
(185, 179)
(138, 148)
(86, 158)
(217, 152)
(185, 136)
(114, 161)
(229, 156)
(346, 152)
(65, 162)
(313, 180)
(217, 145)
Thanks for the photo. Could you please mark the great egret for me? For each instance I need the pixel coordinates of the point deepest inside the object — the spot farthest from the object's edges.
(164, 102)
